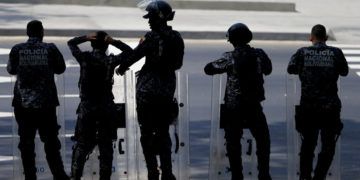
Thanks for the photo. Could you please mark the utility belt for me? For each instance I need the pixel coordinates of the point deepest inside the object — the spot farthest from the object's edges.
(244, 115)
(167, 110)
(308, 117)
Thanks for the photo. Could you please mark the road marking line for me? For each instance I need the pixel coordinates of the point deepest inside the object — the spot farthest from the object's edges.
(351, 51)
(11, 136)
(70, 95)
(6, 114)
(358, 73)
(354, 66)
(7, 158)
(353, 58)
(5, 79)
(4, 51)
(6, 136)
(68, 65)
(65, 96)
(345, 45)
(72, 65)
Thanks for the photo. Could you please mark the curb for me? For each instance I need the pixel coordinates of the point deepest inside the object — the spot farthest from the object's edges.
(179, 4)
(281, 36)
(232, 5)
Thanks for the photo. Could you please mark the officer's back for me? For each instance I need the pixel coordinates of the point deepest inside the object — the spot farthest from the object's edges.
(319, 67)
(35, 62)
(163, 51)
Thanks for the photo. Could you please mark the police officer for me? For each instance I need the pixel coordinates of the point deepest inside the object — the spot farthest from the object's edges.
(35, 99)
(318, 67)
(164, 49)
(245, 67)
(96, 111)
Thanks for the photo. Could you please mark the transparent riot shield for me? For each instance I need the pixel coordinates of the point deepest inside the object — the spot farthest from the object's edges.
(293, 92)
(124, 96)
(126, 147)
(179, 132)
(219, 168)
(129, 162)
(43, 171)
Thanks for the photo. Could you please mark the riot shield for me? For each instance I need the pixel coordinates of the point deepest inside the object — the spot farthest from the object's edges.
(179, 132)
(293, 93)
(43, 171)
(125, 156)
(129, 162)
(219, 168)
(123, 161)
(123, 95)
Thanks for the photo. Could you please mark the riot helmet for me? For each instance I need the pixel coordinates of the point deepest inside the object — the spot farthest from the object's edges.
(239, 33)
(159, 9)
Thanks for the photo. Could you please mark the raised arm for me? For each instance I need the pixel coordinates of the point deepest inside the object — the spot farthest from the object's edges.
(74, 48)
(145, 46)
(118, 44)
(126, 50)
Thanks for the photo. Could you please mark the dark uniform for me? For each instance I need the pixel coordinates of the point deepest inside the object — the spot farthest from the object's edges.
(155, 90)
(35, 100)
(96, 111)
(244, 92)
(318, 67)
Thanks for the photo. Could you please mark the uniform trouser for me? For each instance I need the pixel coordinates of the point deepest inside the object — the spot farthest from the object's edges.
(45, 121)
(325, 157)
(329, 132)
(260, 131)
(94, 127)
(155, 140)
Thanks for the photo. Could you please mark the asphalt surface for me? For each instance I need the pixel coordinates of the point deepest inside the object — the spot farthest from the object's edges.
(197, 54)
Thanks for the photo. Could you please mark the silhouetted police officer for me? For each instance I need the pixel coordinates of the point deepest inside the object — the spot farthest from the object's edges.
(245, 67)
(318, 67)
(96, 112)
(156, 83)
(35, 99)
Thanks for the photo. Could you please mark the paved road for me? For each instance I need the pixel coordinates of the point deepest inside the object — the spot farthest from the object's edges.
(198, 53)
